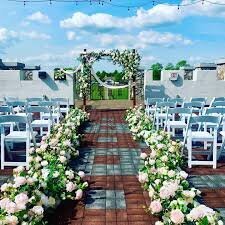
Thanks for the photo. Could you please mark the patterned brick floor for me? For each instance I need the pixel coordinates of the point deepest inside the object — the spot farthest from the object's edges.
(110, 158)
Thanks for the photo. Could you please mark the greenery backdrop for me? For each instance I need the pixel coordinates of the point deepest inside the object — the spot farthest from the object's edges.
(158, 67)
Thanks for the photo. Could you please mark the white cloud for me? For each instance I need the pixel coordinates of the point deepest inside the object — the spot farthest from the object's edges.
(39, 17)
(7, 38)
(71, 35)
(6, 34)
(142, 40)
(159, 14)
(35, 35)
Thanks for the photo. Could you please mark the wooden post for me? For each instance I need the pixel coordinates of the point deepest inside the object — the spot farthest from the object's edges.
(84, 97)
(84, 102)
(134, 86)
(134, 91)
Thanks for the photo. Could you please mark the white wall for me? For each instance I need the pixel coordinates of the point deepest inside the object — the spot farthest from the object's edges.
(11, 85)
(204, 84)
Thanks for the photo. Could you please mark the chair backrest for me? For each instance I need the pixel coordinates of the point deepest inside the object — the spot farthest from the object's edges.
(18, 119)
(16, 103)
(179, 110)
(199, 105)
(218, 104)
(61, 101)
(166, 104)
(5, 109)
(215, 110)
(13, 119)
(49, 103)
(205, 119)
(176, 100)
(154, 101)
(36, 100)
(11, 98)
(198, 100)
(218, 99)
(33, 109)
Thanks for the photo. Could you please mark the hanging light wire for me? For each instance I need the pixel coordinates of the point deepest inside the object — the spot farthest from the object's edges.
(111, 3)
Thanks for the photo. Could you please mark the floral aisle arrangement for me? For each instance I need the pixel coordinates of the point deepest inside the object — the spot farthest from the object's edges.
(49, 180)
(128, 59)
(172, 197)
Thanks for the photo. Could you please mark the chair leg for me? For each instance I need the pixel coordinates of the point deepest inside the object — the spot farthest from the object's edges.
(189, 147)
(173, 132)
(7, 146)
(222, 148)
(214, 153)
(2, 152)
(27, 152)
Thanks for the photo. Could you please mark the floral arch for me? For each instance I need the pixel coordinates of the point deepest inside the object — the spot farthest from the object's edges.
(128, 59)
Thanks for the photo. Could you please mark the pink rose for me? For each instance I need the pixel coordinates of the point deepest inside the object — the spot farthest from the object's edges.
(79, 194)
(143, 177)
(156, 206)
(11, 220)
(11, 207)
(177, 216)
(143, 155)
(21, 200)
(81, 174)
(19, 181)
(70, 187)
(4, 202)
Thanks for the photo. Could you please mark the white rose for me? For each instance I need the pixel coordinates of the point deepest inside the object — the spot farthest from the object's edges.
(44, 163)
(38, 210)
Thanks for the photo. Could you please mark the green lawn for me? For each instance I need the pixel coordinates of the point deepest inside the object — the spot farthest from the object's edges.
(98, 93)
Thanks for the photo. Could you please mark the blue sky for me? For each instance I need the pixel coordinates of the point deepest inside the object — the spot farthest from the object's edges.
(53, 35)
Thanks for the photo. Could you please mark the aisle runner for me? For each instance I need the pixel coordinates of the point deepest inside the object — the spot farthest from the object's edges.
(110, 158)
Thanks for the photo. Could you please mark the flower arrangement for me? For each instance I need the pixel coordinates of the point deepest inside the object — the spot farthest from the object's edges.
(128, 59)
(59, 74)
(26, 198)
(172, 197)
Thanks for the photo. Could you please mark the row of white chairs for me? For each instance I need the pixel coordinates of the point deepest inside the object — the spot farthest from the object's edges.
(19, 105)
(198, 123)
(13, 130)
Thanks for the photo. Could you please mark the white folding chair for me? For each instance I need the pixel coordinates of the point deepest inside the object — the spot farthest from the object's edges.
(151, 103)
(201, 134)
(55, 111)
(63, 103)
(33, 101)
(18, 107)
(40, 123)
(217, 99)
(198, 100)
(197, 107)
(161, 112)
(178, 101)
(15, 136)
(218, 104)
(177, 119)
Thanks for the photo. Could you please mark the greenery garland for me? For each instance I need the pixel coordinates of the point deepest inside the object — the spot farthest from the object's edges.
(25, 199)
(172, 197)
(128, 59)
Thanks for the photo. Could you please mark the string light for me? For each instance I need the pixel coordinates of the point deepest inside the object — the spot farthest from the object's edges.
(109, 2)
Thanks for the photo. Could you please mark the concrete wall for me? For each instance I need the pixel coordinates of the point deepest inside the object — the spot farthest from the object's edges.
(12, 85)
(204, 84)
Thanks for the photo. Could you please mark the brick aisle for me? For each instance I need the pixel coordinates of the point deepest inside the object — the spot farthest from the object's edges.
(110, 159)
